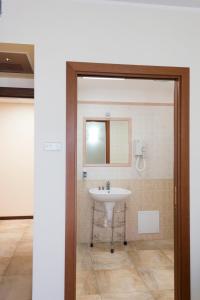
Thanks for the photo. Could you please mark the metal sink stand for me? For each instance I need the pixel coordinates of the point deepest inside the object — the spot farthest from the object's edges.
(113, 226)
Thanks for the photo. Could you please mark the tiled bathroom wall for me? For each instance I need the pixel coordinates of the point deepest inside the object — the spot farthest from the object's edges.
(152, 124)
(150, 194)
(152, 189)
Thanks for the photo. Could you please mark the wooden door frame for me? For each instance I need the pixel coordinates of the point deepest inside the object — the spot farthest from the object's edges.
(181, 164)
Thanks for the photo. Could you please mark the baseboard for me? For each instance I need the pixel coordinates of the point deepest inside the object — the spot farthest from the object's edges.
(16, 217)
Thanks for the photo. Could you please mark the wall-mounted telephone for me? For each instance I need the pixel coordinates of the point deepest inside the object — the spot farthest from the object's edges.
(140, 148)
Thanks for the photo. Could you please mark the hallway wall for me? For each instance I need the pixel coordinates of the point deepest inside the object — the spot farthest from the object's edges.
(16, 159)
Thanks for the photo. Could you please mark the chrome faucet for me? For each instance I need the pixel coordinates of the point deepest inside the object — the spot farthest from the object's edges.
(108, 185)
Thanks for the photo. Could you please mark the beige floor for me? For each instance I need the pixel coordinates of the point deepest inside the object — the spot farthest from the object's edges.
(16, 260)
(143, 270)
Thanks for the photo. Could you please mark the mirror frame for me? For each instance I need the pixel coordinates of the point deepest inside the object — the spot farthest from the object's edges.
(130, 154)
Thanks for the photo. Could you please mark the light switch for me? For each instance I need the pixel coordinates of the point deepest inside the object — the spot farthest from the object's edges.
(53, 146)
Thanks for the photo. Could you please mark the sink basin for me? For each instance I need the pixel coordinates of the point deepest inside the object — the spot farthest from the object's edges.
(112, 195)
(109, 198)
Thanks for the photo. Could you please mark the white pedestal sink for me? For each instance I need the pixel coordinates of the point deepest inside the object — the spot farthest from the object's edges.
(109, 198)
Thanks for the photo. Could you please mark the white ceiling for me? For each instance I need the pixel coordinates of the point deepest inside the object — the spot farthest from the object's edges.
(128, 90)
(181, 3)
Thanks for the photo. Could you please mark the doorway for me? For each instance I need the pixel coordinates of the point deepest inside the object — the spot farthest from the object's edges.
(181, 163)
(16, 170)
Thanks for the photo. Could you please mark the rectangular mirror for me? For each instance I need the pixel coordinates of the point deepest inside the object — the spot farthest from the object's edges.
(107, 142)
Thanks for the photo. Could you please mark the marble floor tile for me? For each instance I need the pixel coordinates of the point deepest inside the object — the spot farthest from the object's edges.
(7, 248)
(164, 295)
(166, 244)
(111, 261)
(28, 234)
(16, 287)
(154, 244)
(16, 279)
(158, 279)
(13, 225)
(89, 297)
(16, 223)
(119, 281)
(86, 283)
(100, 274)
(84, 264)
(149, 259)
(83, 258)
(4, 261)
(128, 296)
(24, 248)
(129, 273)
(82, 250)
(12, 236)
(20, 265)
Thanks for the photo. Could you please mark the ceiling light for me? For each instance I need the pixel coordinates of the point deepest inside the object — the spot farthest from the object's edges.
(7, 59)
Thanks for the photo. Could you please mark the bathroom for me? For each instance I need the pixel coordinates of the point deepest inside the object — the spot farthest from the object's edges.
(125, 149)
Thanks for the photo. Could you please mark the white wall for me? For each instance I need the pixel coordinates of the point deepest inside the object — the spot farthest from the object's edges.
(96, 32)
(16, 159)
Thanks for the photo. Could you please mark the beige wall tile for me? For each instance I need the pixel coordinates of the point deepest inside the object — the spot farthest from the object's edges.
(151, 194)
